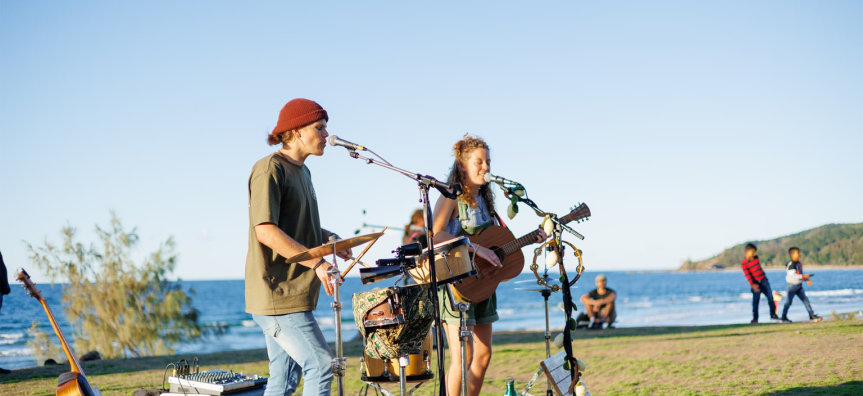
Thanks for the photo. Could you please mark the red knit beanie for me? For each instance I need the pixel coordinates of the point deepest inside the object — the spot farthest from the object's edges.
(299, 113)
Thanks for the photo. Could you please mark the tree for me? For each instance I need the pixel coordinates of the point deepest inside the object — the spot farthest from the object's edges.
(117, 307)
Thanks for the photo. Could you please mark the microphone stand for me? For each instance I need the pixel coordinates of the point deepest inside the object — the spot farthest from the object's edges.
(425, 183)
(510, 191)
(557, 244)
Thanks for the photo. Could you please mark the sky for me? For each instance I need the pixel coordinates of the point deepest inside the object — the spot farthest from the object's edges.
(687, 127)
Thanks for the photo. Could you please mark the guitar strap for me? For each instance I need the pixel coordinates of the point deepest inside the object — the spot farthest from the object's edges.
(464, 221)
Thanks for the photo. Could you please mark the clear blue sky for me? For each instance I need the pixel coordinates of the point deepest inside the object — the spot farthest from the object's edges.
(686, 126)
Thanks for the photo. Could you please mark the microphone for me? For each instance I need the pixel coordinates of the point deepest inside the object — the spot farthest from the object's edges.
(497, 179)
(509, 187)
(335, 141)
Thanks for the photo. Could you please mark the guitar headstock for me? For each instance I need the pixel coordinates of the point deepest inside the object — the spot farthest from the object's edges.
(28, 284)
(578, 213)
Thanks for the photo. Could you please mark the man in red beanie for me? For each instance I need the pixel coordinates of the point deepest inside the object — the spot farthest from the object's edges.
(284, 221)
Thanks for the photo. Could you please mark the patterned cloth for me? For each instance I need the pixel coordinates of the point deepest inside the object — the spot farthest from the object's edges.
(393, 341)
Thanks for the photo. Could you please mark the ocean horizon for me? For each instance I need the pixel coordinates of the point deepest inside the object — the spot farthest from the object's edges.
(644, 298)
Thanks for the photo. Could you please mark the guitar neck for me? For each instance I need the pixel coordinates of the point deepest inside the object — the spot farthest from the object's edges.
(519, 243)
(530, 237)
(73, 362)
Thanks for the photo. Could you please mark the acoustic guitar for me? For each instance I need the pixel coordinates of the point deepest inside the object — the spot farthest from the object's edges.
(508, 249)
(73, 383)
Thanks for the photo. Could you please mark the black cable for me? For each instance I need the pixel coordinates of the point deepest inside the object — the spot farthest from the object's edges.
(166, 373)
(376, 155)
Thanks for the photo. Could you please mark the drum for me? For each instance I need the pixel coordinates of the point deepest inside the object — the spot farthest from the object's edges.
(388, 312)
(394, 321)
(418, 370)
(452, 263)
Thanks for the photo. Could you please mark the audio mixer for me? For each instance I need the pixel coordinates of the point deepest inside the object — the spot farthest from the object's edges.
(216, 382)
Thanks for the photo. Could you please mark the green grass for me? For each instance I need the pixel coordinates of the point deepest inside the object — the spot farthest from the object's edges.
(791, 359)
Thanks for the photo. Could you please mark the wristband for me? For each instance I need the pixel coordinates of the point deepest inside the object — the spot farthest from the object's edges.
(323, 260)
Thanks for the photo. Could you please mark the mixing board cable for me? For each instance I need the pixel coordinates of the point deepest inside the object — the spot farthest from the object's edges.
(179, 369)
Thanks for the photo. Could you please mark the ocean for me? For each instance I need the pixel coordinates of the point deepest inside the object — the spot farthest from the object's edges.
(643, 299)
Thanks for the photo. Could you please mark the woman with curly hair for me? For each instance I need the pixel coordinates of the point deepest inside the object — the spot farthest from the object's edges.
(470, 214)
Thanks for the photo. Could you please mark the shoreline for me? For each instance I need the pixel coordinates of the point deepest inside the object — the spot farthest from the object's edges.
(810, 267)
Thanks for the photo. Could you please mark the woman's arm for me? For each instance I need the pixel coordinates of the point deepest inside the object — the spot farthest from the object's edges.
(443, 211)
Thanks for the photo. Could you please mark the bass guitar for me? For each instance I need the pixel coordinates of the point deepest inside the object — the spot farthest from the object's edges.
(73, 383)
(503, 243)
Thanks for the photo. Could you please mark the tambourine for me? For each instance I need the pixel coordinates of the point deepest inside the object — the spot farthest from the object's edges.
(535, 268)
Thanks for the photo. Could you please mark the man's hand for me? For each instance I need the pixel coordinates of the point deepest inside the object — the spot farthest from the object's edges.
(755, 288)
(345, 254)
(323, 274)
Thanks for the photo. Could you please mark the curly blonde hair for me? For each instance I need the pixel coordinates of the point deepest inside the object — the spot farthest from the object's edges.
(458, 173)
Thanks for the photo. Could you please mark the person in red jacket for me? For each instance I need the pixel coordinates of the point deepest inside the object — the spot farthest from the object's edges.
(757, 282)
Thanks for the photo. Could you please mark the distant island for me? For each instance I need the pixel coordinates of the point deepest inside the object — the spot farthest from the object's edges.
(832, 244)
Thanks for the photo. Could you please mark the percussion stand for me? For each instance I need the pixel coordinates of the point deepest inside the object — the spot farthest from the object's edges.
(557, 233)
(546, 294)
(338, 362)
(424, 183)
(463, 334)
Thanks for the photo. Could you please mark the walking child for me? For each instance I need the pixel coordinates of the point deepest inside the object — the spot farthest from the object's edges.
(794, 276)
(757, 282)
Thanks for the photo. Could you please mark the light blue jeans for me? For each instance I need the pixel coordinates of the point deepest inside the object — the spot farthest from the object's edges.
(297, 349)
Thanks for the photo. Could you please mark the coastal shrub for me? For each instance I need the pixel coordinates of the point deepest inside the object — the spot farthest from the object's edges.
(115, 306)
(43, 346)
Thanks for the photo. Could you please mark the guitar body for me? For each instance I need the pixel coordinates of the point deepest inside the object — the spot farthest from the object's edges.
(482, 286)
(74, 384)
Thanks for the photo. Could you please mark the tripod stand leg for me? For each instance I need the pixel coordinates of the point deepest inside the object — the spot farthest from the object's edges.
(530, 383)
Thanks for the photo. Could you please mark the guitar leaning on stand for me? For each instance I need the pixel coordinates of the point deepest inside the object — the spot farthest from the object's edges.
(73, 383)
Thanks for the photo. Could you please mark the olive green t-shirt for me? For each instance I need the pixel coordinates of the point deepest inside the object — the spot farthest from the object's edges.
(281, 193)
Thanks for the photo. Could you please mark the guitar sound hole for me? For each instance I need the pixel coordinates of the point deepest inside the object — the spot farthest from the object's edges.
(499, 253)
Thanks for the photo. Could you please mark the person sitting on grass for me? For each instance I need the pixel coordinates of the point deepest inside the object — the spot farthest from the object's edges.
(757, 282)
(794, 276)
(599, 305)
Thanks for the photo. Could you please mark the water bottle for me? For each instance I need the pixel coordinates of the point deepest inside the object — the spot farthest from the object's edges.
(510, 387)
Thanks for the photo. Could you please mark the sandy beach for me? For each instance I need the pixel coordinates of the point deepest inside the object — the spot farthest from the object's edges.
(769, 359)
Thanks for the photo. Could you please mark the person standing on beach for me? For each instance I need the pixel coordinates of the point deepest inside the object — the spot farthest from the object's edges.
(4, 290)
(757, 282)
(283, 222)
(794, 276)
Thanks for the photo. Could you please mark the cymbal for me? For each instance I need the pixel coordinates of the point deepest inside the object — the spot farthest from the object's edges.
(534, 290)
(548, 280)
(327, 248)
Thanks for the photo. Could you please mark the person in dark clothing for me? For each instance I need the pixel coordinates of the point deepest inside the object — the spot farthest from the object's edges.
(599, 304)
(4, 290)
(757, 282)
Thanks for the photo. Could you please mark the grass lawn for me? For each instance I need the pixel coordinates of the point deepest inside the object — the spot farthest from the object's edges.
(777, 359)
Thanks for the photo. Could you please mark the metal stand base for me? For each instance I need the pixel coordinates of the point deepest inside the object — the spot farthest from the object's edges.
(463, 336)
(339, 361)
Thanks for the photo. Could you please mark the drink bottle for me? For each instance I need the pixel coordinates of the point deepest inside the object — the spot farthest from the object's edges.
(510, 387)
